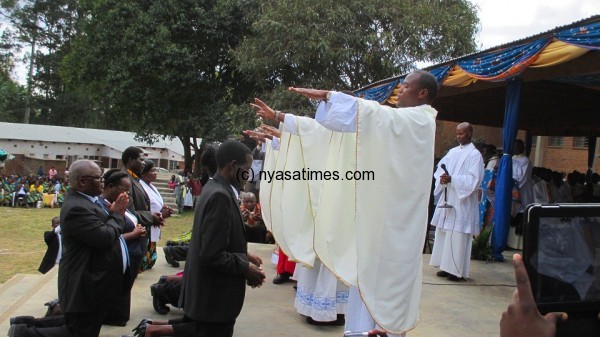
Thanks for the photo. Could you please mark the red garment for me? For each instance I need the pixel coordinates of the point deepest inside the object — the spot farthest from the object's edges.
(285, 266)
(251, 217)
(196, 187)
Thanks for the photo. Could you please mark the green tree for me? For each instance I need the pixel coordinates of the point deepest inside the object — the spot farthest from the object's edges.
(161, 67)
(12, 94)
(349, 44)
(44, 29)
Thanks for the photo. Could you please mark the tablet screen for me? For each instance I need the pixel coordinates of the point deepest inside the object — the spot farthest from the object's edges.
(567, 259)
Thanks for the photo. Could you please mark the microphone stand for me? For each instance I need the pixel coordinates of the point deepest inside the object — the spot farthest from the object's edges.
(446, 204)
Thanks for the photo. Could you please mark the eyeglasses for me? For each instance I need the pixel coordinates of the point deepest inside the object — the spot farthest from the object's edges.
(93, 177)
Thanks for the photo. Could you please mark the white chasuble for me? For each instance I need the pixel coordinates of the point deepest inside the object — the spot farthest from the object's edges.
(368, 232)
(391, 210)
(265, 193)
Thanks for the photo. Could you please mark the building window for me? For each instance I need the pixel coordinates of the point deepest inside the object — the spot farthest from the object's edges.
(60, 156)
(556, 141)
(580, 142)
(173, 165)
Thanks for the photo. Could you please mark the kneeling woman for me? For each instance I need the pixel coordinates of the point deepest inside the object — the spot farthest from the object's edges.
(116, 182)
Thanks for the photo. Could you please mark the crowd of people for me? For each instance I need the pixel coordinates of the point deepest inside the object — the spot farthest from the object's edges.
(45, 190)
(109, 223)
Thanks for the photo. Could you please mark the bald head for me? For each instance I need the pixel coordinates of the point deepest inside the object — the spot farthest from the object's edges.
(81, 171)
(464, 133)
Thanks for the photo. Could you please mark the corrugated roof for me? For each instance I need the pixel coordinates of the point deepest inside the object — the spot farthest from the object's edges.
(118, 140)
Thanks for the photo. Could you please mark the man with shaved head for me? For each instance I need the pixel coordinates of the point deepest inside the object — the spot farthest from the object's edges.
(94, 258)
(458, 176)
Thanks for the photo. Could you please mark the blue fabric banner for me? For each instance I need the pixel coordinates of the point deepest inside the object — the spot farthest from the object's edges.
(504, 63)
(586, 36)
(504, 181)
(379, 93)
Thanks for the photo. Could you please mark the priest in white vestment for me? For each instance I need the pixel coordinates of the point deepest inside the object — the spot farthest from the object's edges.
(456, 225)
(362, 233)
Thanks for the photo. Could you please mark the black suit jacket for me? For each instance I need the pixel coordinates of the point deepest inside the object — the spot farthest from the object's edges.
(49, 260)
(139, 204)
(90, 272)
(214, 282)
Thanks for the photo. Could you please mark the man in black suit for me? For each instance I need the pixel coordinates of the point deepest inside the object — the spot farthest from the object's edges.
(52, 239)
(139, 202)
(218, 265)
(93, 260)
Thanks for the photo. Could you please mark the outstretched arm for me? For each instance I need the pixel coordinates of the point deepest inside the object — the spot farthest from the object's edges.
(316, 94)
(257, 135)
(266, 112)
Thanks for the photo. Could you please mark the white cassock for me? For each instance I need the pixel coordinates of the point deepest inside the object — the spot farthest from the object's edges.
(521, 173)
(362, 233)
(457, 225)
(540, 192)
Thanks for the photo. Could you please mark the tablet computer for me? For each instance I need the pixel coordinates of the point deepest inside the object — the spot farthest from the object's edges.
(562, 255)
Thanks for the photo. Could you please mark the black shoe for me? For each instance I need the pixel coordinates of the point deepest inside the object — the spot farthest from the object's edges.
(442, 273)
(169, 257)
(17, 330)
(140, 329)
(340, 321)
(159, 307)
(454, 278)
(22, 320)
(53, 308)
(281, 278)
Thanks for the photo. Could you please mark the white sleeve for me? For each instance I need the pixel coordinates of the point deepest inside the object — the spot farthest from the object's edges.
(275, 143)
(289, 124)
(339, 113)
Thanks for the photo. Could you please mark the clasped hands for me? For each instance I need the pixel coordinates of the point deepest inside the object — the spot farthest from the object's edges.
(255, 276)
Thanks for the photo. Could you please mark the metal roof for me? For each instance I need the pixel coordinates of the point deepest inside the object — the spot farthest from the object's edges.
(118, 140)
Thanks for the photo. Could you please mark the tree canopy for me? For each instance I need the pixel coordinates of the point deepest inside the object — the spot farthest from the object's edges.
(349, 44)
(188, 68)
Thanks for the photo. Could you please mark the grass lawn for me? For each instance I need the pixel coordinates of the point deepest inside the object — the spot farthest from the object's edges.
(22, 243)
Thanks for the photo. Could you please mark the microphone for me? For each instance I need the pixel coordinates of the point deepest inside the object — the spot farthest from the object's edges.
(443, 166)
(445, 204)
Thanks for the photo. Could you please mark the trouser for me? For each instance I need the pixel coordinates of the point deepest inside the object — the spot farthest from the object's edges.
(76, 325)
(178, 253)
(168, 293)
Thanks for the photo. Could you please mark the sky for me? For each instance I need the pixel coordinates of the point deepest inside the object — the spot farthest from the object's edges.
(503, 21)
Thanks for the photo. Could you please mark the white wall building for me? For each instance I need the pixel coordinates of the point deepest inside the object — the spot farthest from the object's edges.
(47, 145)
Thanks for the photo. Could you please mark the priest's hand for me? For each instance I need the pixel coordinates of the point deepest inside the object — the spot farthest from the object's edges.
(521, 318)
(258, 136)
(263, 110)
(316, 94)
(269, 130)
